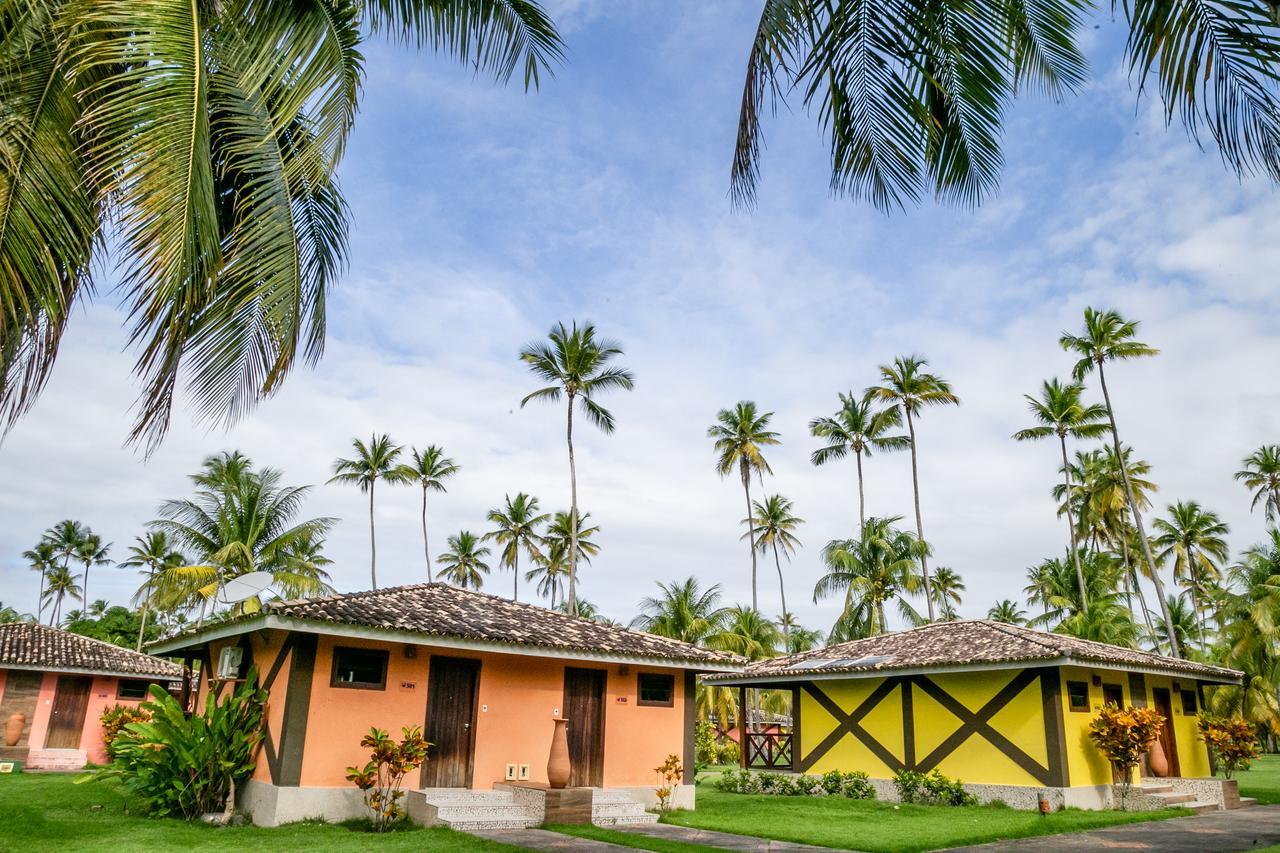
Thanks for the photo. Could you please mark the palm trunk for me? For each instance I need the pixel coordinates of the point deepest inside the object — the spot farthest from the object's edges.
(915, 485)
(573, 516)
(373, 541)
(426, 546)
(1132, 572)
(751, 531)
(1071, 525)
(146, 602)
(782, 591)
(40, 599)
(84, 590)
(862, 502)
(1195, 599)
(515, 572)
(1137, 517)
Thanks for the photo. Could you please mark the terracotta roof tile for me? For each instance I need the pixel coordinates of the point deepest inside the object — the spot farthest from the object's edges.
(32, 646)
(969, 643)
(440, 610)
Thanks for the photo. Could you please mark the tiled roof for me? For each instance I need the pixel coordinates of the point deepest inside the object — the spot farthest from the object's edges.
(32, 646)
(439, 610)
(968, 643)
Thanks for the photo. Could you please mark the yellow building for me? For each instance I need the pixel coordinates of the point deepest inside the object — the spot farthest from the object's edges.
(1004, 708)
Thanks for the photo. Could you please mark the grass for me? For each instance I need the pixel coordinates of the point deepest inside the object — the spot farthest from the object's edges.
(885, 827)
(48, 811)
(1262, 780)
(627, 839)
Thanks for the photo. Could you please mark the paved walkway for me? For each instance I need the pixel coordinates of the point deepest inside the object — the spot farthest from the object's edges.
(1216, 832)
(719, 840)
(545, 839)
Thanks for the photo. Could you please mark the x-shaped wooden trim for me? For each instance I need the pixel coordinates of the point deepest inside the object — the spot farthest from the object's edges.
(850, 723)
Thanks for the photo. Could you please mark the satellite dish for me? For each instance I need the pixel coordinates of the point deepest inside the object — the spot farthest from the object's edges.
(246, 586)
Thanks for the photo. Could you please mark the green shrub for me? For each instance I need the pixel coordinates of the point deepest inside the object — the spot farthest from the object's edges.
(729, 753)
(115, 718)
(706, 750)
(188, 766)
(833, 782)
(855, 786)
(931, 788)
(382, 778)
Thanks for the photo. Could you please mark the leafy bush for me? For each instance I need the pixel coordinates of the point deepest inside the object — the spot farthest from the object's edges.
(1231, 740)
(729, 752)
(669, 775)
(188, 766)
(115, 718)
(381, 778)
(833, 784)
(706, 750)
(1123, 736)
(931, 788)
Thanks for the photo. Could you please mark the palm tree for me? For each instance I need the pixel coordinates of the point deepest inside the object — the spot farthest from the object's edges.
(683, 611)
(1060, 412)
(798, 638)
(1186, 624)
(517, 530)
(233, 528)
(153, 553)
(913, 99)
(773, 526)
(373, 462)
(563, 537)
(43, 558)
(1054, 584)
(91, 552)
(463, 563)
(1261, 473)
(429, 470)
(66, 536)
(549, 572)
(871, 571)
(1109, 337)
(740, 434)
(1251, 635)
(576, 362)
(747, 632)
(242, 101)
(9, 615)
(947, 589)
(1194, 538)
(61, 583)
(1007, 611)
(857, 428)
(909, 387)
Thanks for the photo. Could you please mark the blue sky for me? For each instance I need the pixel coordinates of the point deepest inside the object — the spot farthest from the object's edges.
(482, 215)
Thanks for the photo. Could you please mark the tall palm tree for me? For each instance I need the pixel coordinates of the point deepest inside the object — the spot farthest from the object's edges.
(857, 428)
(871, 571)
(517, 530)
(153, 553)
(372, 462)
(798, 638)
(429, 470)
(907, 386)
(1260, 472)
(463, 563)
(92, 552)
(549, 572)
(947, 589)
(913, 98)
(1060, 412)
(740, 434)
(9, 615)
(61, 583)
(236, 101)
(43, 558)
(1109, 337)
(233, 528)
(1195, 539)
(682, 610)
(747, 632)
(66, 537)
(562, 538)
(774, 525)
(576, 363)
(1251, 635)
(1007, 611)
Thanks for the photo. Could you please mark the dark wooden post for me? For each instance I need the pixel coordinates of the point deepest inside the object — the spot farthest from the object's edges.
(186, 683)
(795, 729)
(742, 726)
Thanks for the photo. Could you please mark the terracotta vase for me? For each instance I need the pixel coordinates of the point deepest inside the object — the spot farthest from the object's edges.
(1157, 760)
(13, 728)
(558, 763)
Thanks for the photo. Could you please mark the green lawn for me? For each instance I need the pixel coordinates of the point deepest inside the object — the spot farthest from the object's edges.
(1262, 780)
(49, 812)
(627, 839)
(875, 826)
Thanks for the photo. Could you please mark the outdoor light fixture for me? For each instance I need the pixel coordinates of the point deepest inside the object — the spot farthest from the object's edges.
(1044, 803)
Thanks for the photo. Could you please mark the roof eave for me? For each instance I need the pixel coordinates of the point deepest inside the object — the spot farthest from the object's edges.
(82, 670)
(272, 621)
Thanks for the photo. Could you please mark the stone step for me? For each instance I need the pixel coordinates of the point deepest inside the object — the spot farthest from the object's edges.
(1199, 808)
(599, 810)
(494, 823)
(1247, 802)
(442, 795)
(1155, 789)
(1172, 799)
(626, 820)
(57, 759)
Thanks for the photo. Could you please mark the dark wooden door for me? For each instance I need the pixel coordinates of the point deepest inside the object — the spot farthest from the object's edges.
(1113, 694)
(66, 720)
(1160, 699)
(584, 709)
(452, 691)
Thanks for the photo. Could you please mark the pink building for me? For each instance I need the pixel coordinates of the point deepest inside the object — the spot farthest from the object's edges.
(54, 686)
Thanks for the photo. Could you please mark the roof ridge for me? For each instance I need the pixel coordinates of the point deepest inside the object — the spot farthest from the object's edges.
(1031, 635)
(83, 637)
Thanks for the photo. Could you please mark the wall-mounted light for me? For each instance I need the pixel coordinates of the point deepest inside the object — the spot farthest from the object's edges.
(1097, 681)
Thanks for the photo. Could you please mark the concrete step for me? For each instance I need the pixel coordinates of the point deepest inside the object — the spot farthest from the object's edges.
(463, 809)
(1199, 808)
(1172, 799)
(1247, 802)
(494, 823)
(443, 795)
(57, 759)
(625, 820)
(1155, 789)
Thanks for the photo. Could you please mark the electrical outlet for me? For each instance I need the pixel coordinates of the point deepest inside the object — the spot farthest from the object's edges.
(511, 773)
(524, 772)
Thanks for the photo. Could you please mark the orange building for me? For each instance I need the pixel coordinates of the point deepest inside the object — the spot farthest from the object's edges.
(54, 686)
(483, 676)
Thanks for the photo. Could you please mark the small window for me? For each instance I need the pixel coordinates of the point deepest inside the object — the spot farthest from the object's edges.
(1189, 702)
(1078, 695)
(1113, 694)
(656, 689)
(363, 669)
(131, 688)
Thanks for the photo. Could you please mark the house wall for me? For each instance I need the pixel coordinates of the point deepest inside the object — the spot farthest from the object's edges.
(102, 695)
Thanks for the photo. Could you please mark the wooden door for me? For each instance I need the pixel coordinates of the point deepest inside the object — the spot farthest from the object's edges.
(452, 691)
(66, 720)
(584, 691)
(1160, 699)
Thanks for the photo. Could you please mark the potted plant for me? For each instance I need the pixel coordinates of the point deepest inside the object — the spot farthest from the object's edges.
(1233, 745)
(1123, 736)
